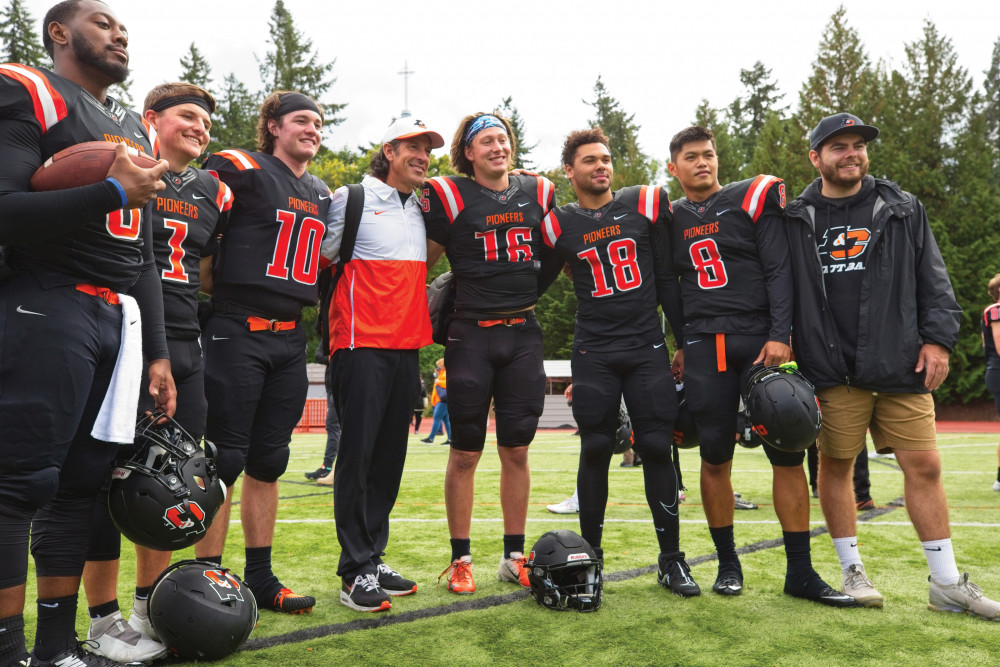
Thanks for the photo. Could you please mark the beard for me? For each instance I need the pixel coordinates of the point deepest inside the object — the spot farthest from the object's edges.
(88, 55)
(832, 176)
(591, 188)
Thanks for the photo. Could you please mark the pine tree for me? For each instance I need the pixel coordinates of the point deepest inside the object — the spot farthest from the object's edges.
(507, 110)
(123, 93)
(748, 114)
(991, 85)
(781, 151)
(18, 37)
(235, 120)
(292, 64)
(195, 69)
(842, 78)
(631, 165)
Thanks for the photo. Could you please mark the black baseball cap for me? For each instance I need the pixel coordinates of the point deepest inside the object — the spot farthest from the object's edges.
(840, 123)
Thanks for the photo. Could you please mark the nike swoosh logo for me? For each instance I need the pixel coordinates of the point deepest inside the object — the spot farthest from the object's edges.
(657, 347)
(322, 198)
(454, 340)
(692, 342)
(197, 196)
(619, 217)
(48, 606)
(139, 135)
(21, 310)
(132, 322)
(523, 204)
(214, 337)
(932, 548)
(661, 530)
(725, 210)
(380, 212)
(854, 545)
(669, 509)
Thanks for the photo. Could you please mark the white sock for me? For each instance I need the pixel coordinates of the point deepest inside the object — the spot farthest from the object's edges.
(941, 560)
(847, 551)
(575, 498)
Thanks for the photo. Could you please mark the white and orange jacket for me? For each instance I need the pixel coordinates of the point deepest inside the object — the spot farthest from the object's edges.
(381, 299)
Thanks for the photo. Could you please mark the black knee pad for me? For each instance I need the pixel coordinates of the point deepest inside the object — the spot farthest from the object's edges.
(230, 462)
(516, 431)
(468, 434)
(267, 465)
(14, 528)
(654, 444)
(38, 489)
(784, 459)
(717, 444)
(60, 535)
(105, 539)
(596, 447)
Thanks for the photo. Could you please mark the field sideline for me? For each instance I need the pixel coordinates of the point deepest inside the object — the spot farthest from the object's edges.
(639, 622)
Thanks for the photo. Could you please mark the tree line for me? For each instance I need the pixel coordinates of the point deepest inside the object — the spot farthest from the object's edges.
(940, 140)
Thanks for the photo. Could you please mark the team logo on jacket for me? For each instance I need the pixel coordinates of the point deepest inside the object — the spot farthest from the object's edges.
(189, 517)
(844, 243)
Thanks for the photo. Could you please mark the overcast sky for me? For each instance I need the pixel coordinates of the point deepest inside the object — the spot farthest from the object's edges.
(659, 58)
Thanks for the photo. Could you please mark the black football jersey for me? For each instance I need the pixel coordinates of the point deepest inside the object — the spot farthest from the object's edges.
(492, 238)
(620, 259)
(990, 315)
(104, 249)
(188, 218)
(731, 252)
(268, 261)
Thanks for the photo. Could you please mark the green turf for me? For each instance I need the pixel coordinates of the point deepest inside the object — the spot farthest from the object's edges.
(639, 622)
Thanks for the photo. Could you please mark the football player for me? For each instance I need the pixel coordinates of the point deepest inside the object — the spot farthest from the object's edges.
(731, 252)
(489, 224)
(80, 261)
(618, 250)
(188, 217)
(255, 377)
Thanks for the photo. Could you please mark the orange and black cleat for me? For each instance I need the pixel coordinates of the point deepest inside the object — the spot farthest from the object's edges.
(291, 603)
(460, 576)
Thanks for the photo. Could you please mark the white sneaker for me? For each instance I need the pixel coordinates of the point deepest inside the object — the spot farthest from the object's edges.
(115, 639)
(860, 587)
(569, 506)
(996, 485)
(876, 455)
(963, 596)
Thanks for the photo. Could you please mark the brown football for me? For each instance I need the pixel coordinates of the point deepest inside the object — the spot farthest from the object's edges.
(82, 164)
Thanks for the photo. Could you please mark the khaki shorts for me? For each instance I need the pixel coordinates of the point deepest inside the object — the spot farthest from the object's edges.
(896, 421)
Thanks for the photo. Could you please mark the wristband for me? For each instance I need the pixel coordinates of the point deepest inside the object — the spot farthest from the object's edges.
(121, 190)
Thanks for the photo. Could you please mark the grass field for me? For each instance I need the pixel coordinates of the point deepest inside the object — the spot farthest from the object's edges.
(639, 623)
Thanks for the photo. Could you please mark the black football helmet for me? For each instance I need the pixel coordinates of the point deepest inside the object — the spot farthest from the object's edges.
(782, 407)
(201, 611)
(685, 428)
(167, 494)
(624, 438)
(565, 573)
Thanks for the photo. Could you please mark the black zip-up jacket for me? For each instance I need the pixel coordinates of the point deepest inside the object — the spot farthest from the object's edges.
(906, 298)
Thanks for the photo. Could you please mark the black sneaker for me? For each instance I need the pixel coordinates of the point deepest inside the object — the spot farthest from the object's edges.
(817, 590)
(676, 575)
(74, 657)
(393, 583)
(729, 582)
(428, 440)
(364, 594)
(322, 471)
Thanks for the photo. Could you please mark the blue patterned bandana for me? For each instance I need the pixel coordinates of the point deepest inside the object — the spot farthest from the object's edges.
(480, 124)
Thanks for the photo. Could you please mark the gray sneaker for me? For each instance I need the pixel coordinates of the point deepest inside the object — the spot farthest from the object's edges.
(860, 587)
(113, 638)
(963, 596)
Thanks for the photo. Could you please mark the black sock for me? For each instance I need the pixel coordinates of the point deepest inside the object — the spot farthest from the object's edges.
(258, 574)
(56, 626)
(725, 547)
(799, 567)
(103, 610)
(11, 639)
(460, 548)
(142, 592)
(513, 543)
(217, 560)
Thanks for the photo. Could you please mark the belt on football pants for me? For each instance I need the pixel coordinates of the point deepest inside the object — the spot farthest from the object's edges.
(264, 324)
(507, 322)
(109, 295)
(494, 319)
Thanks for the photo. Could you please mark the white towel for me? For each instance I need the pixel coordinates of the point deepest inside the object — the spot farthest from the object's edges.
(116, 420)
